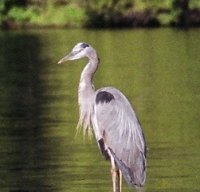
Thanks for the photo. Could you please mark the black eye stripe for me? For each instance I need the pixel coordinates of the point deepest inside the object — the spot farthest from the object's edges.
(84, 45)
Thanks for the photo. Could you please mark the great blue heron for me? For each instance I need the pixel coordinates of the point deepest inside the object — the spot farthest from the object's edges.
(109, 114)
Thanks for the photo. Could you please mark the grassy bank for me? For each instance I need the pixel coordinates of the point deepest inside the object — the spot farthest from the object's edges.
(42, 15)
(16, 14)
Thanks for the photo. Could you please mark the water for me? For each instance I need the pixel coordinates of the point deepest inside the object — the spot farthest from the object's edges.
(157, 69)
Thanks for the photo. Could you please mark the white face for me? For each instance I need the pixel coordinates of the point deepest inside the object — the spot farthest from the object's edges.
(79, 51)
(79, 47)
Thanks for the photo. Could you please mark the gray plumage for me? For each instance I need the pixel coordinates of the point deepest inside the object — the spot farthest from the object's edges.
(108, 113)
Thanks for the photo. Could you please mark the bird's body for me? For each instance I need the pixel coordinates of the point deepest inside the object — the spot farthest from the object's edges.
(108, 113)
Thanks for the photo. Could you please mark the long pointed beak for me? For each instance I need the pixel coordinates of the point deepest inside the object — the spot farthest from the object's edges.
(66, 58)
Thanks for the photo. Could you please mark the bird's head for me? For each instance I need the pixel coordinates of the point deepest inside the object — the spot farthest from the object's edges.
(80, 50)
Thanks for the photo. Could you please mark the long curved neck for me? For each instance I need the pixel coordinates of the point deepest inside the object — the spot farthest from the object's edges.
(88, 73)
(86, 93)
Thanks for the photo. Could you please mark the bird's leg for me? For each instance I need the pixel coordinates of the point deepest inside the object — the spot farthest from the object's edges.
(116, 177)
(120, 180)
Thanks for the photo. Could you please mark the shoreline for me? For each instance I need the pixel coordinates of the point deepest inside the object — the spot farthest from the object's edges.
(132, 20)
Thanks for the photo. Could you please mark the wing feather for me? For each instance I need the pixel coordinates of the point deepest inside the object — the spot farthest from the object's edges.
(120, 129)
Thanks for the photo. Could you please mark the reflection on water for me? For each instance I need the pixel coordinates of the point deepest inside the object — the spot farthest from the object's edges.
(38, 108)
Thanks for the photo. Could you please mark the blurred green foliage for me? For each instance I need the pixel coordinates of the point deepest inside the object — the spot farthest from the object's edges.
(42, 12)
(105, 13)
(99, 13)
(141, 12)
(22, 14)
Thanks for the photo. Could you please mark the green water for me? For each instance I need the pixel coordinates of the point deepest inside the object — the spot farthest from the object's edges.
(158, 70)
